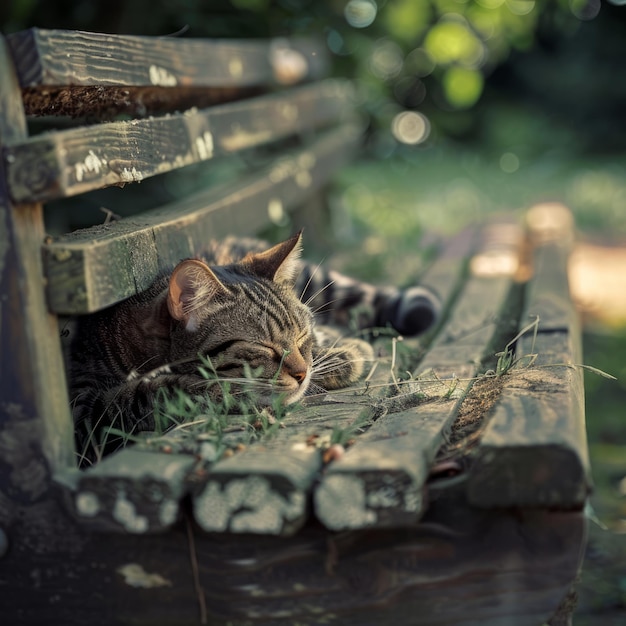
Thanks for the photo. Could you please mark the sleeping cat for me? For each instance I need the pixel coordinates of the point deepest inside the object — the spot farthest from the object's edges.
(238, 310)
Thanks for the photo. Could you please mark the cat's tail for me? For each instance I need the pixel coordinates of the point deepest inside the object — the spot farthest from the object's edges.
(410, 311)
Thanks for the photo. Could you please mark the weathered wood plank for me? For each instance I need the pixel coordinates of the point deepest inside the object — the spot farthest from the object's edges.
(97, 267)
(465, 567)
(70, 162)
(36, 433)
(408, 576)
(550, 229)
(380, 481)
(59, 57)
(133, 491)
(444, 276)
(534, 451)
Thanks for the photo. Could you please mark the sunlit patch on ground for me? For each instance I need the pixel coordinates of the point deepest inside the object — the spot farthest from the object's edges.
(598, 282)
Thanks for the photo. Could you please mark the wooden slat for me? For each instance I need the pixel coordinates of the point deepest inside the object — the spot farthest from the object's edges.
(550, 230)
(380, 480)
(133, 491)
(66, 163)
(97, 267)
(534, 451)
(57, 57)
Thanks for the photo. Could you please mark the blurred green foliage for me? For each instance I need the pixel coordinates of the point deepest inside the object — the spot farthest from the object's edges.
(435, 56)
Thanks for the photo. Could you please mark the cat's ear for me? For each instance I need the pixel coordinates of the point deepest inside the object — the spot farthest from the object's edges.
(279, 263)
(192, 286)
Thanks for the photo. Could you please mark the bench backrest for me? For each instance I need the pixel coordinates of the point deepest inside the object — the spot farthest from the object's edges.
(190, 102)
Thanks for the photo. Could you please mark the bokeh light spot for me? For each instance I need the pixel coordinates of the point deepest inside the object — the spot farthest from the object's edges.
(386, 60)
(276, 211)
(360, 13)
(451, 40)
(410, 127)
(336, 43)
(462, 86)
(509, 162)
(410, 92)
(490, 4)
(585, 9)
(520, 7)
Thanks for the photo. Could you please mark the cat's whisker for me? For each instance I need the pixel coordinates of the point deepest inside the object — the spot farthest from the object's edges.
(308, 282)
(328, 347)
(336, 358)
(151, 358)
(327, 306)
(319, 292)
(315, 390)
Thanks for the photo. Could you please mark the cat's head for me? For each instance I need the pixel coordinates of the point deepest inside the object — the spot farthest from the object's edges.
(246, 318)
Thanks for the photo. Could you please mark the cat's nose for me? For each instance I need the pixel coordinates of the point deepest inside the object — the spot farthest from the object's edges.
(299, 376)
(295, 365)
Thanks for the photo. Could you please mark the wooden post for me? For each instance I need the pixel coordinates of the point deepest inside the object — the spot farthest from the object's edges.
(36, 437)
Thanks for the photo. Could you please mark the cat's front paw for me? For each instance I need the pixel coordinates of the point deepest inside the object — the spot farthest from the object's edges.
(342, 364)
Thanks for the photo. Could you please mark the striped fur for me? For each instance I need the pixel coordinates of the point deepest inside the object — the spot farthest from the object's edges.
(237, 309)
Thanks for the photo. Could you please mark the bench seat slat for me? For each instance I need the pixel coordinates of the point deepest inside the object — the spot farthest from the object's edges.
(66, 163)
(534, 451)
(386, 470)
(94, 268)
(59, 57)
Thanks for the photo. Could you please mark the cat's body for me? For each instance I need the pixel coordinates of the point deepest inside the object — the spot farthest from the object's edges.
(243, 318)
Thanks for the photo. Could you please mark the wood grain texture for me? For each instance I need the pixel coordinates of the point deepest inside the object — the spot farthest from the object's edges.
(461, 566)
(380, 481)
(58, 57)
(548, 292)
(97, 267)
(35, 423)
(534, 451)
(550, 229)
(70, 162)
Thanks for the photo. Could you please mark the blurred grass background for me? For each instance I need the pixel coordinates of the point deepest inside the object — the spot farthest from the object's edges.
(475, 107)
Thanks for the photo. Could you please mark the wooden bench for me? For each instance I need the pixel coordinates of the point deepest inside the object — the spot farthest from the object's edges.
(447, 488)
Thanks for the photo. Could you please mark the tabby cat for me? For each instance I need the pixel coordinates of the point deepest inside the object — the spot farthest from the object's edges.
(237, 309)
